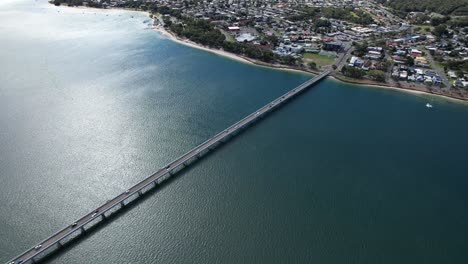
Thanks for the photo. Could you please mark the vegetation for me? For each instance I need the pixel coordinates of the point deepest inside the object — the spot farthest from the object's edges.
(199, 31)
(203, 32)
(347, 14)
(360, 49)
(440, 30)
(312, 65)
(456, 65)
(352, 72)
(456, 7)
(76, 3)
(377, 75)
(320, 60)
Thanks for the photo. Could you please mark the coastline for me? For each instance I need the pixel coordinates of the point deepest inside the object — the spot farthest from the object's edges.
(334, 76)
(404, 88)
(229, 55)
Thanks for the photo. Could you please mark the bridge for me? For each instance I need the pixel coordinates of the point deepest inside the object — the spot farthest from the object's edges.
(57, 240)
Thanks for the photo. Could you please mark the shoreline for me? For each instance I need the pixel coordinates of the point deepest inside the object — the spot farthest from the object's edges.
(162, 31)
(229, 55)
(334, 76)
(405, 89)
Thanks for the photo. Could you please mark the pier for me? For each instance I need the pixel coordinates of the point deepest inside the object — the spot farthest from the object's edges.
(67, 234)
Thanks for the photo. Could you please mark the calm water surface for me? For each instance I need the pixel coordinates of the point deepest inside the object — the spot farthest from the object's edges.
(93, 101)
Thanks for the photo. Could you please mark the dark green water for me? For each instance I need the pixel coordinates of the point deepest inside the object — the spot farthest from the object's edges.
(92, 102)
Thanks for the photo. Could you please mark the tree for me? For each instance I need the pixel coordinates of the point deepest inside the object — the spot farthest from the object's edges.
(440, 30)
(313, 65)
(377, 75)
(352, 72)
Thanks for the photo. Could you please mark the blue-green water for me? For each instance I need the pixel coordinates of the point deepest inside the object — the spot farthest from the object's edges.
(93, 101)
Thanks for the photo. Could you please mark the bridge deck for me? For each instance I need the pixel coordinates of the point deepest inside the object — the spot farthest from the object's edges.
(160, 175)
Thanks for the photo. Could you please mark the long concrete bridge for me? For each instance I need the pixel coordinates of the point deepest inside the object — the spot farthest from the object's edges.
(78, 227)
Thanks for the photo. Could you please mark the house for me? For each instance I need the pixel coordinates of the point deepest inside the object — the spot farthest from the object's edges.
(421, 61)
(332, 46)
(352, 61)
(377, 49)
(399, 60)
(416, 53)
(436, 80)
(430, 73)
(452, 74)
(461, 83)
(403, 75)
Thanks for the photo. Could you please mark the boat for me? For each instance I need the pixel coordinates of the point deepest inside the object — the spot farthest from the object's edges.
(428, 105)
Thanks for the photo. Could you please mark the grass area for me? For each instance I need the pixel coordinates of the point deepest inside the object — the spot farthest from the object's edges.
(424, 27)
(354, 14)
(439, 64)
(319, 59)
(228, 36)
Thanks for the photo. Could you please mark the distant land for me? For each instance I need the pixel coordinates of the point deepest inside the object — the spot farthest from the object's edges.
(451, 7)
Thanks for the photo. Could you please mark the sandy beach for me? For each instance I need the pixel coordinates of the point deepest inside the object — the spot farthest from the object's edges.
(161, 30)
(226, 54)
(410, 90)
(239, 58)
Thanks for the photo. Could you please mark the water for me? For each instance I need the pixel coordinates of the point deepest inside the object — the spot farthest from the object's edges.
(92, 102)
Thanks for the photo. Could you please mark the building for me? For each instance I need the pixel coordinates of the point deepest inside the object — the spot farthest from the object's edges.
(416, 53)
(332, 46)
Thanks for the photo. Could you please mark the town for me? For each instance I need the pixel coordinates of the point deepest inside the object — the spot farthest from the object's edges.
(360, 41)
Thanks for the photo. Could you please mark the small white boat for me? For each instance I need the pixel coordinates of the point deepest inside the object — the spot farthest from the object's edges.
(428, 105)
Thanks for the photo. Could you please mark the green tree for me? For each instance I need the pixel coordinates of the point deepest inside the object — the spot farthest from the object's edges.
(440, 30)
(313, 65)
(377, 75)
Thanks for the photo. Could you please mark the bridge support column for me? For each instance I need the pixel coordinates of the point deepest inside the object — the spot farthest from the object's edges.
(82, 230)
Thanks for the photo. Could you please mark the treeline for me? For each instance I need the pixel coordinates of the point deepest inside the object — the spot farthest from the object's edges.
(76, 3)
(203, 32)
(438, 6)
(347, 14)
(352, 72)
(356, 73)
(199, 31)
